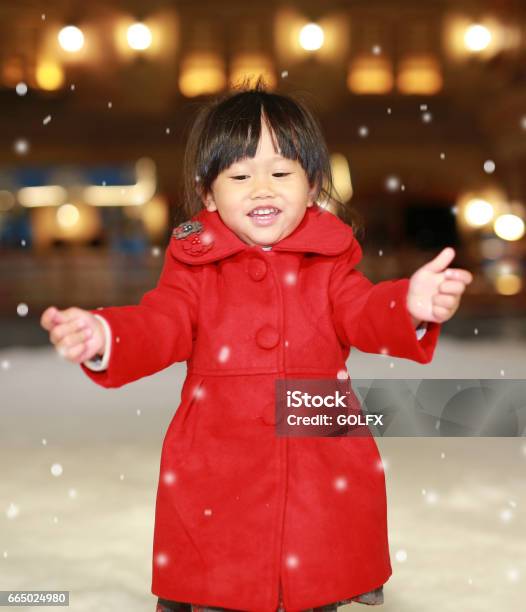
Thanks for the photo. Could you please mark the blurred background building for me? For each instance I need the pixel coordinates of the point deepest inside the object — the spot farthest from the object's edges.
(423, 105)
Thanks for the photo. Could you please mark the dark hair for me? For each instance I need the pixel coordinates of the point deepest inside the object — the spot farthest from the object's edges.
(228, 128)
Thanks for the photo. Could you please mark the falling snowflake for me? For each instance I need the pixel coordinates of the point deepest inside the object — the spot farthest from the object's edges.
(506, 515)
(502, 372)
(284, 74)
(224, 354)
(110, 104)
(442, 156)
(523, 122)
(363, 131)
(342, 375)
(382, 465)
(423, 107)
(169, 477)
(431, 497)
(161, 559)
(513, 574)
(380, 252)
(376, 50)
(392, 183)
(442, 455)
(384, 350)
(290, 278)
(476, 331)
(44, 441)
(156, 251)
(72, 493)
(46, 119)
(5, 554)
(454, 210)
(21, 89)
(292, 561)
(401, 556)
(12, 511)
(207, 512)
(138, 412)
(427, 117)
(392, 303)
(55, 519)
(389, 111)
(167, 130)
(489, 166)
(121, 476)
(56, 469)
(72, 86)
(5, 364)
(23, 242)
(340, 483)
(21, 146)
(22, 310)
(391, 365)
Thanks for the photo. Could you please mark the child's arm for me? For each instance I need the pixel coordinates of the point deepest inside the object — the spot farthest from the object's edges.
(374, 317)
(149, 336)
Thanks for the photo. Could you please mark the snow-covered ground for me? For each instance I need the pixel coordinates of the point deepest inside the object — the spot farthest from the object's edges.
(457, 522)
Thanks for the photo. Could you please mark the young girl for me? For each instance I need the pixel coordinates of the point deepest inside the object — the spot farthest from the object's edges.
(259, 285)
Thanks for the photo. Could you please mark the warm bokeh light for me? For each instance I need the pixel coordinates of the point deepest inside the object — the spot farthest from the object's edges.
(508, 283)
(49, 75)
(202, 73)
(419, 74)
(341, 176)
(477, 38)
(370, 75)
(478, 212)
(509, 227)
(311, 37)
(71, 39)
(139, 36)
(251, 65)
(67, 215)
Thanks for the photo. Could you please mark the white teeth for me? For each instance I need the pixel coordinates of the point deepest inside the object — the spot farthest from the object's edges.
(264, 211)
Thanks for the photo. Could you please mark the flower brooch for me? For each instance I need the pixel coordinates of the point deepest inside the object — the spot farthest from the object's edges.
(192, 242)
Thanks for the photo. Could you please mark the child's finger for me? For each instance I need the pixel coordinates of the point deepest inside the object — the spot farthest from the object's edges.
(458, 274)
(452, 287)
(72, 352)
(441, 261)
(73, 340)
(447, 301)
(59, 332)
(47, 320)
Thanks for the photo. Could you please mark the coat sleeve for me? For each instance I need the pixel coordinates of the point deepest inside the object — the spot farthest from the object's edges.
(149, 336)
(374, 317)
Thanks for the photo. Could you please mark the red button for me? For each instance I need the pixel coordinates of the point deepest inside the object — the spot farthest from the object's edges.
(267, 337)
(257, 268)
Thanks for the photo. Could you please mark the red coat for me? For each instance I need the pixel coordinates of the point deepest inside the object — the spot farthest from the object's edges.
(241, 512)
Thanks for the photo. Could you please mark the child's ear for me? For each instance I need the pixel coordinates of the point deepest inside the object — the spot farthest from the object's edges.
(312, 196)
(209, 202)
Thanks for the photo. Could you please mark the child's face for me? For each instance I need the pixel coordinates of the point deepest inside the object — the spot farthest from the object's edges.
(266, 181)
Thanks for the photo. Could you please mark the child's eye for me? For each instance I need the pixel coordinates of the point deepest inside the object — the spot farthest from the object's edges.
(281, 173)
(239, 176)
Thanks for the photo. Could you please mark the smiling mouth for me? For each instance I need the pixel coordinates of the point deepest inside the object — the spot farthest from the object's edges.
(262, 216)
(264, 212)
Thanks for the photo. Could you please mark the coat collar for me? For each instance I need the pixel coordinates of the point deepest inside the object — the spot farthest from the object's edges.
(205, 238)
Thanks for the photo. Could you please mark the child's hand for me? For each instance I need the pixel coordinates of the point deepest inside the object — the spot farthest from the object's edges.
(76, 334)
(435, 290)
